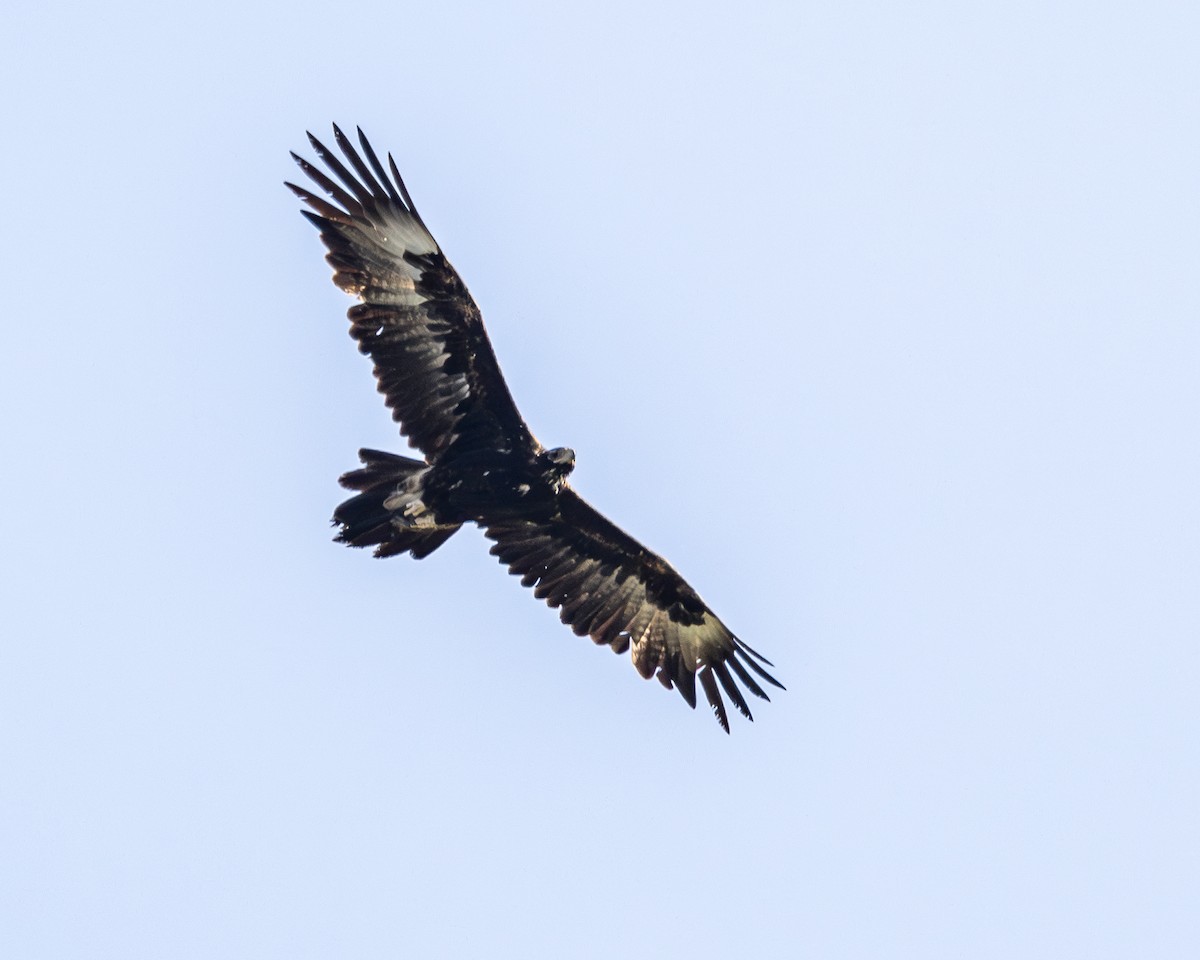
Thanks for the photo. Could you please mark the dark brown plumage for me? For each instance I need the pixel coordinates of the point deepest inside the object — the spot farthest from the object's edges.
(436, 369)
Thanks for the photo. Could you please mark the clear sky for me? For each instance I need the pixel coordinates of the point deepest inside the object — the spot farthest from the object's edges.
(879, 320)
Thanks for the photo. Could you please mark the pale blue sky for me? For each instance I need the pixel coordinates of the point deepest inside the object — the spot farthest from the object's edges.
(878, 320)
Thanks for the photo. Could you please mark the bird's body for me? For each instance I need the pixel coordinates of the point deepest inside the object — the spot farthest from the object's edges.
(435, 366)
(487, 488)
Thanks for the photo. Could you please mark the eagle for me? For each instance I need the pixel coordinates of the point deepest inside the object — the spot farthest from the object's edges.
(480, 462)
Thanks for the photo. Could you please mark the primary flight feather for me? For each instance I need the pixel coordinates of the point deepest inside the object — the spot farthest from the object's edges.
(436, 369)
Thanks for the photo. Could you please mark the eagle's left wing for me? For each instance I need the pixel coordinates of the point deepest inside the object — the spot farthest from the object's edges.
(611, 588)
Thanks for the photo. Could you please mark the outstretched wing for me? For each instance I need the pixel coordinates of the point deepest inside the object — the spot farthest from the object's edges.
(417, 322)
(611, 588)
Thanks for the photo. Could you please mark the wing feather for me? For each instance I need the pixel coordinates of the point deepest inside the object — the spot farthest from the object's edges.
(608, 586)
(714, 697)
(685, 683)
(349, 181)
(731, 688)
(382, 176)
(745, 677)
(433, 361)
(364, 175)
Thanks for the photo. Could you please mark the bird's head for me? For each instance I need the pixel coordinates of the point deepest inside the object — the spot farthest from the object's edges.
(559, 462)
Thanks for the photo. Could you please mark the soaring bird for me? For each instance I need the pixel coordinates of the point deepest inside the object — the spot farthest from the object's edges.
(480, 462)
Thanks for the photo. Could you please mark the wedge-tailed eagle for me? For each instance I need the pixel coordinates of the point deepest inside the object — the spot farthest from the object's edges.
(481, 464)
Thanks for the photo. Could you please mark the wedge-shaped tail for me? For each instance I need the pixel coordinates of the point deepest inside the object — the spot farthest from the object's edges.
(388, 512)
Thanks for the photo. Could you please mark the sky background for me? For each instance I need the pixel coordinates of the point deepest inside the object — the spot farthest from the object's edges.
(879, 320)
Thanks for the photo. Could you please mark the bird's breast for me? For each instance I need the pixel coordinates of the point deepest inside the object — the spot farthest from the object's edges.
(488, 491)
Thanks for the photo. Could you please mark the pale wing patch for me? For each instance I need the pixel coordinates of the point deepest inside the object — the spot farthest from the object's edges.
(400, 233)
(383, 246)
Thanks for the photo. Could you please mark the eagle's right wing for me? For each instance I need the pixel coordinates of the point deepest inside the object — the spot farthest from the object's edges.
(613, 589)
(433, 361)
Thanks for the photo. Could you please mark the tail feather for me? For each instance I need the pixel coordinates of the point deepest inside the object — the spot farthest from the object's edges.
(387, 511)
